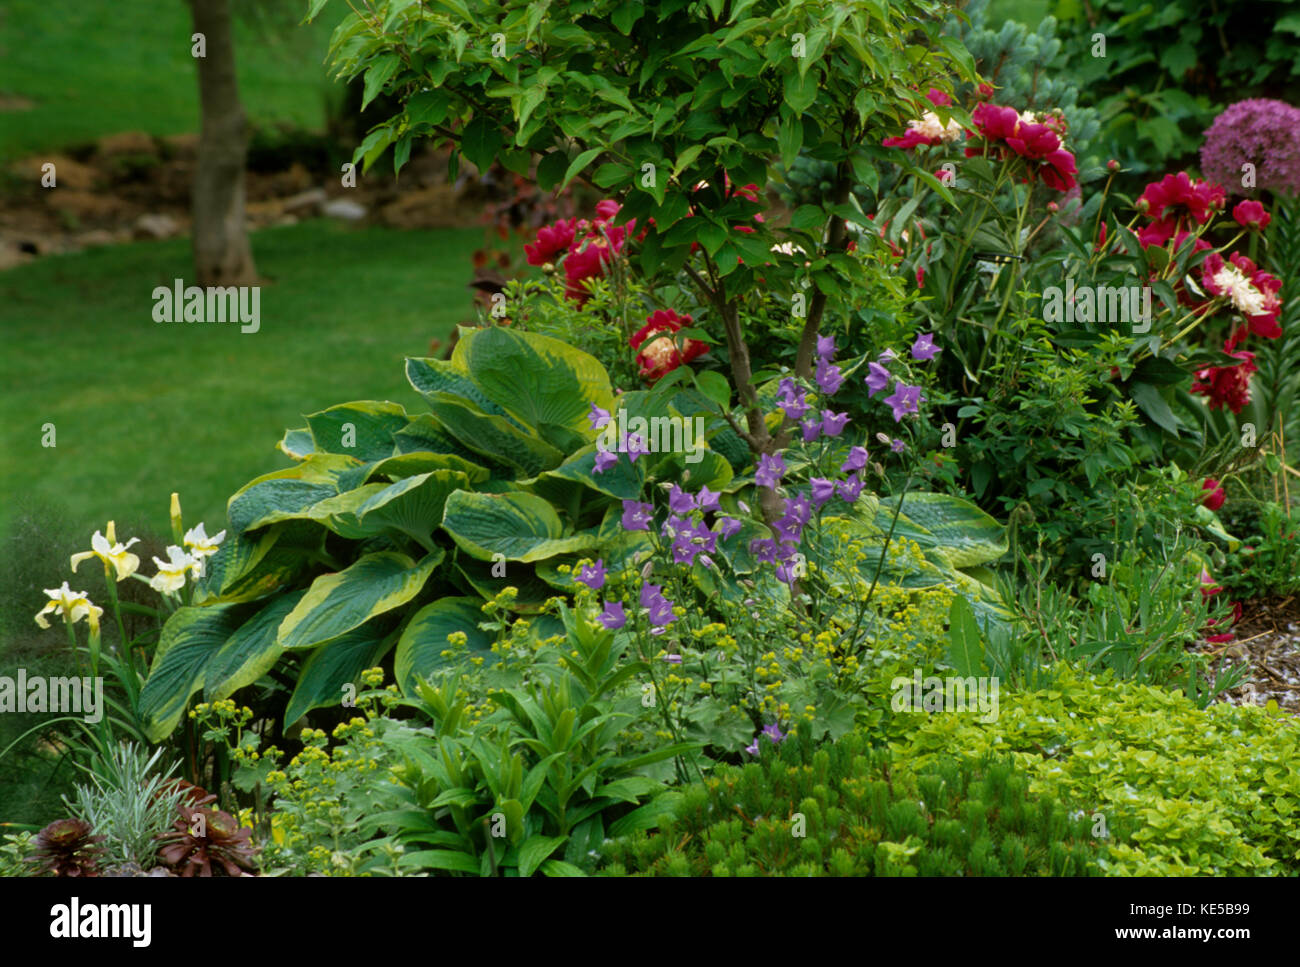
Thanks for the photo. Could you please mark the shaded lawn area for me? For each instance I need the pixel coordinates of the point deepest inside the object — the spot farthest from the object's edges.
(142, 409)
(92, 69)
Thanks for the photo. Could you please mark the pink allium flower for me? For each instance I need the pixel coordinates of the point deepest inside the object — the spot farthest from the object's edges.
(1259, 131)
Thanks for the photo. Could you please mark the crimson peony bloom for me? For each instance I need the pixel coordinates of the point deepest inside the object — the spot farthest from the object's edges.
(551, 241)
(1038, 143)
(1176, 197)
(1251, 215)
(661, 354)
(1214, 499)
(1227, 385)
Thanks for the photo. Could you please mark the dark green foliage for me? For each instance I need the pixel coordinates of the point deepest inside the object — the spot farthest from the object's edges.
(846, 809)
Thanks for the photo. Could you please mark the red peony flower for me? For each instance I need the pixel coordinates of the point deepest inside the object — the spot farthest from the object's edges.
(659, 353)
(1214, 499)
(1227, 385)
(938, 98)
(1038, 144)
(1251, 215)
(1176, 197)
(551, 241)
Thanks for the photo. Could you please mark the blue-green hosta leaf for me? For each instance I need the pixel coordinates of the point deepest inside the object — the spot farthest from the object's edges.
(423, 461)
(363, 429)
(252, 566)
(419, 651)
(336, 663)
(956, 528)
(426, 434)
(287, 491)
(624, 480)
(432, 376)
(297, 444)
(494, 436)
(413, 506)
(337, 603)
(520, 526)
(250, 652)
(536, 379)
(189, 640)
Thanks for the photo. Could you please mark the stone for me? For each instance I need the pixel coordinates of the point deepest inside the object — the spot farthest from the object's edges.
(156, 225)
(344, 208)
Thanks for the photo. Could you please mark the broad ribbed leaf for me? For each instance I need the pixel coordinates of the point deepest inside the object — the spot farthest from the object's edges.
(432, 376)
(962, 533)
(522, 527)
(189, 640)
(337, 603)
(494, 436)
(419, 651)
(363, 429)
(334, 664)
(250, 652)
(536, 379)
(413, 506)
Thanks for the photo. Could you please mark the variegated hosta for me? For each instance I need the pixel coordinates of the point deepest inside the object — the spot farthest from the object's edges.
(391, 528)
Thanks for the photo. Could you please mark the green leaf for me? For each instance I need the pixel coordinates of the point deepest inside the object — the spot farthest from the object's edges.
(536, 849)
(250, 652)
(338, 603)
(441, 859)
(965, 648)
(377, 76)
(335, 664)
(1150, 402)
(520, 526)
(190, 639)
(363, 429)
(956, 529)
(715, 386)
(413, 506)
(579, 163)
(420, 648)
(495, 437)
(538, 380)
(561, 868)
(480, 142)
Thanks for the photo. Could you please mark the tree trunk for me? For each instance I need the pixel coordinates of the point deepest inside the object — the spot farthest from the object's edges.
(221, 252)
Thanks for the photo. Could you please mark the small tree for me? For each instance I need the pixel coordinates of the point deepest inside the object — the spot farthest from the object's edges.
(221, 252)
(648, 101)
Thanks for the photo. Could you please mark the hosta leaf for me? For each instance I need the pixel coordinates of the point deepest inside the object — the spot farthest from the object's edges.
(956, 528)
(337, 603)
(536, 379)
(520, 526)
(250, 652)
(419, 650)
(413, 506)
(334, 664)
(189, 640)
(430, 376)
(287, 491)
(363, 429)
(423, 461)
(494, 436)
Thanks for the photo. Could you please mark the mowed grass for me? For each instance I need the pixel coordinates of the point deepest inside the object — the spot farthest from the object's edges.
(142, 409)
(92, 69)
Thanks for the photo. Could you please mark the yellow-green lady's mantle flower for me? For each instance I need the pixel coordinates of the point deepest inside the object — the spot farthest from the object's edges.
(113, 554)
(171, 573)
(201, 546)
(74, 605)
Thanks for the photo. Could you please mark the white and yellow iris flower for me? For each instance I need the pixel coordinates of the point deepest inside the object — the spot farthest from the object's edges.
(201, 546)
(171, 573)
(74, 605)
(114, 555)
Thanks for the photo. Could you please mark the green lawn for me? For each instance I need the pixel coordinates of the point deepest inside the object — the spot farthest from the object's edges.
(142, 409)
(98, 68)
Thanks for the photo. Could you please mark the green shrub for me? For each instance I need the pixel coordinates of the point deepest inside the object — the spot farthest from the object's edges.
(846, 809)
(1213, 792)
